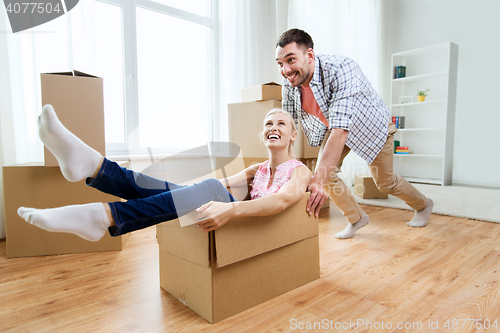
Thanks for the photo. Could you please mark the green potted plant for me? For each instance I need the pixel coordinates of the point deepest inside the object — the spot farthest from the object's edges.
(421, 95)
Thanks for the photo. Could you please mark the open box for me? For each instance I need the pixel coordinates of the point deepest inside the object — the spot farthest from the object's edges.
(240, 265)
(261, 92)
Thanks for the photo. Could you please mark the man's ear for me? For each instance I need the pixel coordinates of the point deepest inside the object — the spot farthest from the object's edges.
(310, 55)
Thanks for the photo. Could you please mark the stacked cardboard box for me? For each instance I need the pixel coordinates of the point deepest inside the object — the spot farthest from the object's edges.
(246, 122)
(248, 261)
(364, 187)
(78, 101)
(261, 92)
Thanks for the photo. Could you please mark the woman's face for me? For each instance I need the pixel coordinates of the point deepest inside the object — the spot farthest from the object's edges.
(278, 131)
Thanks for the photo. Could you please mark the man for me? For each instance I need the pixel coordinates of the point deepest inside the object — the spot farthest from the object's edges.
(339, 110)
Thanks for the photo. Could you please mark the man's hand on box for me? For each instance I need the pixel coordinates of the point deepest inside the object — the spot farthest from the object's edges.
(214, 215)
(316, 199)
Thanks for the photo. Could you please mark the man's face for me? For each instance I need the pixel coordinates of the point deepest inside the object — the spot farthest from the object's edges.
(295, 64)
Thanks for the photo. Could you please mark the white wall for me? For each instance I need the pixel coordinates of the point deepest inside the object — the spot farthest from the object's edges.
(474, 26)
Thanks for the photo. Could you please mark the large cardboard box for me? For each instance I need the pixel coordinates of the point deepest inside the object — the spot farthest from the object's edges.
(38, 186)
(365, 187)
(246, 262)
(261, 92)
(78, 101)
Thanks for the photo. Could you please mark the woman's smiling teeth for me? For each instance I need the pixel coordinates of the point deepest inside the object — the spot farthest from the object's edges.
(273, 136)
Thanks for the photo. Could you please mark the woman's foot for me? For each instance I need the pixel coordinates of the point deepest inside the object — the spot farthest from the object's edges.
(76, 159)
(88, 221)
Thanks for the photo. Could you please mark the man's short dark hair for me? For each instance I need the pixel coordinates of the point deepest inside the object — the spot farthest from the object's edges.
(298, 36)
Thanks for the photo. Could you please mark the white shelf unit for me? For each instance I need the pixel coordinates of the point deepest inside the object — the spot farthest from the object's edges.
(430, 125)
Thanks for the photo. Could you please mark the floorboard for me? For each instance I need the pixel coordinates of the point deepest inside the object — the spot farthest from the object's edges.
(387, 275)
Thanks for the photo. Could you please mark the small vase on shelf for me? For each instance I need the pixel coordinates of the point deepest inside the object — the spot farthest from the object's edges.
(421, 95)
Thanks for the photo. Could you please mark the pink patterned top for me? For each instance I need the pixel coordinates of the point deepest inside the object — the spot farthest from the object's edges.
(263, 175)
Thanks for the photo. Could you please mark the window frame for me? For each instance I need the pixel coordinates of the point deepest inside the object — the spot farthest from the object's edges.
(131, 92)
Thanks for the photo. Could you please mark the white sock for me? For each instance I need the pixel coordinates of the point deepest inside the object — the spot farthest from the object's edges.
(421, 217)
(88, 221)
(351, 228)
(76, 159)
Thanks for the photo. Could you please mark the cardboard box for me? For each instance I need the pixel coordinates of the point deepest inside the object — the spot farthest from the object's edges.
(246, 262)
(308, 151)
(246, 122)
(365, 187)
(261, 92)
(78, 101)
(38, 186)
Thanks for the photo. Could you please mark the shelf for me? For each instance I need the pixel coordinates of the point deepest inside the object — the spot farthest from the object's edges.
(419, 103)
(420, 155)
(420, 77)
(430, 124)
(420, 129)
(426, 49)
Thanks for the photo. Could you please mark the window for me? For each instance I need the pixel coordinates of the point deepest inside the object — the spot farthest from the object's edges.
(109, 54)
(156, 59)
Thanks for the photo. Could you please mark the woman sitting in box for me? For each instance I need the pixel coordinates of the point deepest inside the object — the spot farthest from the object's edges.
(276, 184)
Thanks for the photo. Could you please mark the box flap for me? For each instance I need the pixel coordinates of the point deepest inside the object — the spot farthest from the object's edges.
(78, 73)
(245, 237)
(271, 84)
(261, 92)
(72, 73)
(190, 243)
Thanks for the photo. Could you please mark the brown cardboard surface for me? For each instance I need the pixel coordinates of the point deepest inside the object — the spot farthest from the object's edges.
(246, 237)
(79, 104)
(45, 187)
(246, 122)
(308, 151)
(187, 281)
(261, 92)
(253, 281)
(365, 187)
(218, 293)
(190, 243)
(258, 258)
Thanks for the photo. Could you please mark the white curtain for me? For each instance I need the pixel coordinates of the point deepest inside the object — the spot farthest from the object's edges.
(351, 28)
(248, 30)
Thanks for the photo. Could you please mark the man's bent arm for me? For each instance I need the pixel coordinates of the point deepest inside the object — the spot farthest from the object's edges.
(327, 164)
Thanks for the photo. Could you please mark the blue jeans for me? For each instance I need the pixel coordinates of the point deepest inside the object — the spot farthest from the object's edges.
(151, 201)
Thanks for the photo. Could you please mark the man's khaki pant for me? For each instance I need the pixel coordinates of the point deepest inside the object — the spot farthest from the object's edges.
(383, 175)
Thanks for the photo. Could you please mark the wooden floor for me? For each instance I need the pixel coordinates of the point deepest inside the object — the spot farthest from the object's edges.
(388, 275)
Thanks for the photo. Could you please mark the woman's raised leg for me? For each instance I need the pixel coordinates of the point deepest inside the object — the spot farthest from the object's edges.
(76, 159)
(79, 161)
(91, 221)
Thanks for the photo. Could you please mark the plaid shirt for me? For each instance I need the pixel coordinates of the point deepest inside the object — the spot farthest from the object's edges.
(348, 101)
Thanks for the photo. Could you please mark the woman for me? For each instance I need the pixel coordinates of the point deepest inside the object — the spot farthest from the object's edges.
(276, 184)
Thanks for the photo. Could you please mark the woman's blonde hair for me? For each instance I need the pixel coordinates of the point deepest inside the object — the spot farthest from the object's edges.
(292, 122)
